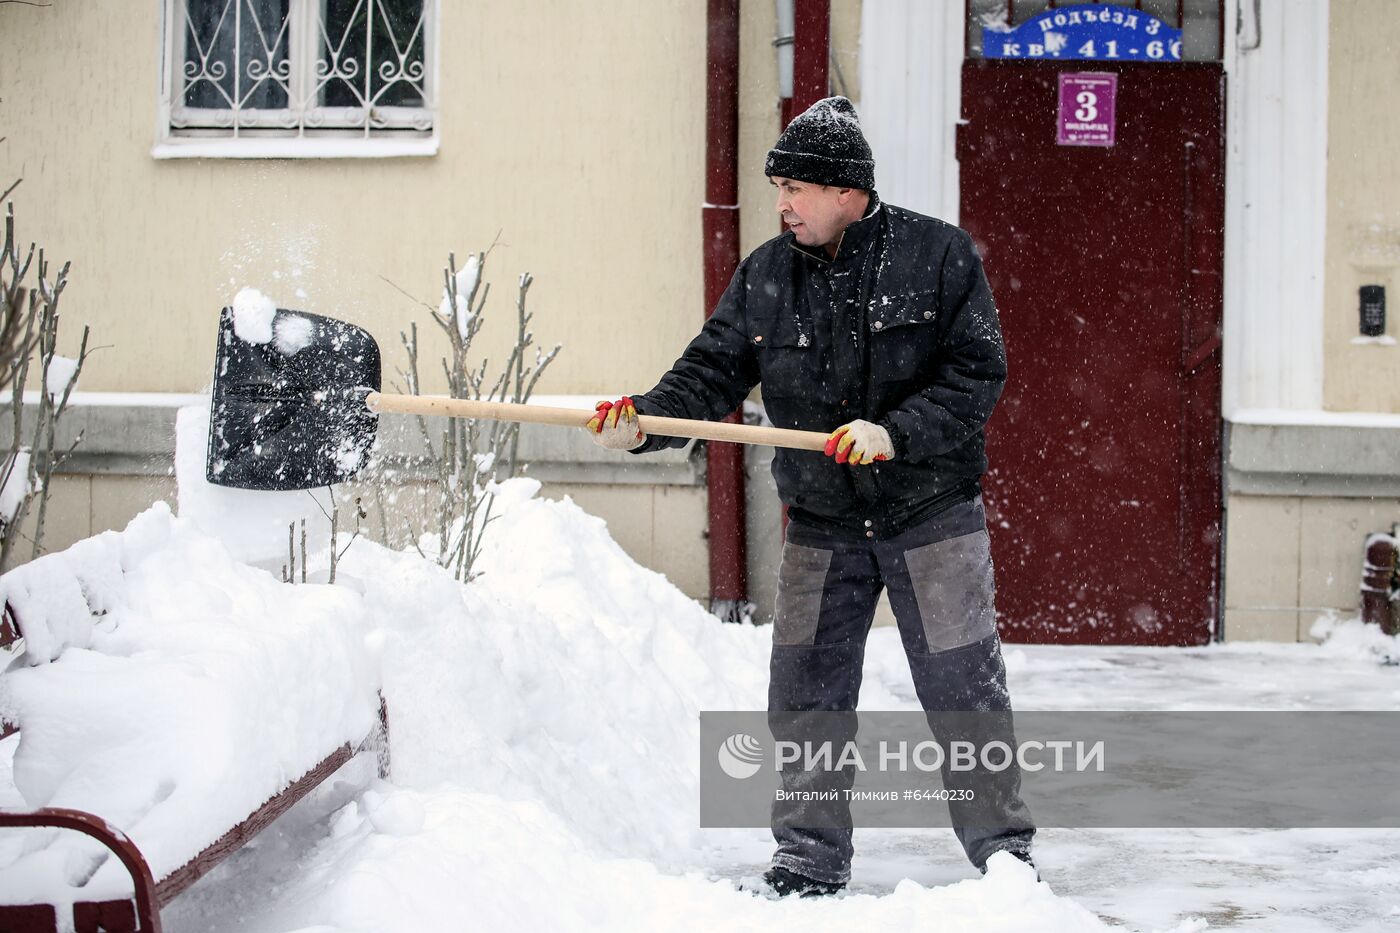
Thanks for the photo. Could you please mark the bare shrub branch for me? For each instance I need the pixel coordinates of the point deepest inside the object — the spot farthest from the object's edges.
(29, 338)
(469, 457)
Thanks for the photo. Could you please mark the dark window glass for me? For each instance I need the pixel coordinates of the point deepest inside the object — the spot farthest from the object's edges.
(389, 35)
(236, 54)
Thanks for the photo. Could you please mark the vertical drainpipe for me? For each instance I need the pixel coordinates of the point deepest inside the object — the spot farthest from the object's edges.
(804, 48)
(811, 51)
(720, 221)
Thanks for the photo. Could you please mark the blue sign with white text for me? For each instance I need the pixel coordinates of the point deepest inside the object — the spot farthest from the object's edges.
(1086, 33)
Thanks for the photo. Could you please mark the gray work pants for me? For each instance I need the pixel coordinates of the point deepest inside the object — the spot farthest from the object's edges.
(939, 576)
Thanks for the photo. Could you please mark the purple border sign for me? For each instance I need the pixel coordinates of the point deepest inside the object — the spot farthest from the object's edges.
(1088, 113)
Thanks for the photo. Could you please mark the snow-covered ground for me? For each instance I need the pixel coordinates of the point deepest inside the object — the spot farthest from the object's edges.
(523, 865)
(545, 745)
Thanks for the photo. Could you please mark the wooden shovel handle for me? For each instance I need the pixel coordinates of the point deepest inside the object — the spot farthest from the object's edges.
(578, 417)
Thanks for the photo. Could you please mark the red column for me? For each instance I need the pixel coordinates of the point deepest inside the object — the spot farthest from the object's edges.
(811, 49)
(720, 221)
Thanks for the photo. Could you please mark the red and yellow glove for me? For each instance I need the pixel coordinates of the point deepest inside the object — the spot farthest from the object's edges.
(859, 443)
(615, 425)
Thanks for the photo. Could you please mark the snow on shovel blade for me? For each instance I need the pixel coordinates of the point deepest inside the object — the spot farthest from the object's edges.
(290, 413)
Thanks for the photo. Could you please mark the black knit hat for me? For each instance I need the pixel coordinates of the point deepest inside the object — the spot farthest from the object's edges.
(824, 145)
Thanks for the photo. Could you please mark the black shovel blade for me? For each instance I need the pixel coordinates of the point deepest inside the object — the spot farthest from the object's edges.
(290, 413)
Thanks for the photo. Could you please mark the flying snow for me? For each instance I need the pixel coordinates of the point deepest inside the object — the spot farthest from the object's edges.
(292, 333)
(252, 316)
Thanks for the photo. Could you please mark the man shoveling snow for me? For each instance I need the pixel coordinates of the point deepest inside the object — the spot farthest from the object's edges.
(879, 320)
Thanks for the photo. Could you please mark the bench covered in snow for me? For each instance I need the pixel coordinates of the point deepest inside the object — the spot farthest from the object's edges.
(171, 703)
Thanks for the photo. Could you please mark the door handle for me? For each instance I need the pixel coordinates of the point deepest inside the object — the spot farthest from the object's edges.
(962, 140)
(1202, 353)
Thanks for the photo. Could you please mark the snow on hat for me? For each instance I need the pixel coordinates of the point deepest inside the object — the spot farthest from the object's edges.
(824, 145)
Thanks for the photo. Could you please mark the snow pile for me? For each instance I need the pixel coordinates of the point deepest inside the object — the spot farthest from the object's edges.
(1352, 638)
(484, 863)
(545, 730)
(184, 690)
(58, 597)
(566, 674)
(252, 316)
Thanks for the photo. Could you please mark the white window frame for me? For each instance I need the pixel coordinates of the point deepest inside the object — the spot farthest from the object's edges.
(294, 132)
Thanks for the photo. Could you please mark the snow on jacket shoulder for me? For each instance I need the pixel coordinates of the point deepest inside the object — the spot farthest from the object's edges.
(899, 328)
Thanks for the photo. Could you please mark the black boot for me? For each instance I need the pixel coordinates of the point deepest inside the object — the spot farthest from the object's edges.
(784, 882)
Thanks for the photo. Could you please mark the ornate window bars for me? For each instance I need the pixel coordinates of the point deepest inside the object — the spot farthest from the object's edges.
(299, 68)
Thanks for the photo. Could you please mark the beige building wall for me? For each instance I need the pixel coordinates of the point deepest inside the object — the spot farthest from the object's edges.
(574, 134)
(845, 49)
(1363, 204)
(1291, 559)
(590, 170)
(759, 119)
(574, 131)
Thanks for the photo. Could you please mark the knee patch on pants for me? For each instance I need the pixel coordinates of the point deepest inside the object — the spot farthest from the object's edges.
(801, 583)
(955, 591)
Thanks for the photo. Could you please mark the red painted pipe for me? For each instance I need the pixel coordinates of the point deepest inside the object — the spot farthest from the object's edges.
(811, 52)
(720, 224)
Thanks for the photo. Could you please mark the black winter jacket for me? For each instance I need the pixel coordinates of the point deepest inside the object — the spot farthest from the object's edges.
(899, 329)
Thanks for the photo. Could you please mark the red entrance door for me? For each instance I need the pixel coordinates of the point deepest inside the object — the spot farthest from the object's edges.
(1104, 491)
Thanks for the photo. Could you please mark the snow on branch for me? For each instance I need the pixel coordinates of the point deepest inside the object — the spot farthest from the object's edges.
(469, 457)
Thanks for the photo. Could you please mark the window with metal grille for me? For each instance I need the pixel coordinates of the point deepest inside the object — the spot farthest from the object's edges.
(298, 69)
(1200, 23)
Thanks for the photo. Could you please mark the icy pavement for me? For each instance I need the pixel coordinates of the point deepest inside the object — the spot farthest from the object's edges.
(1277, 880)
(1284, 880)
